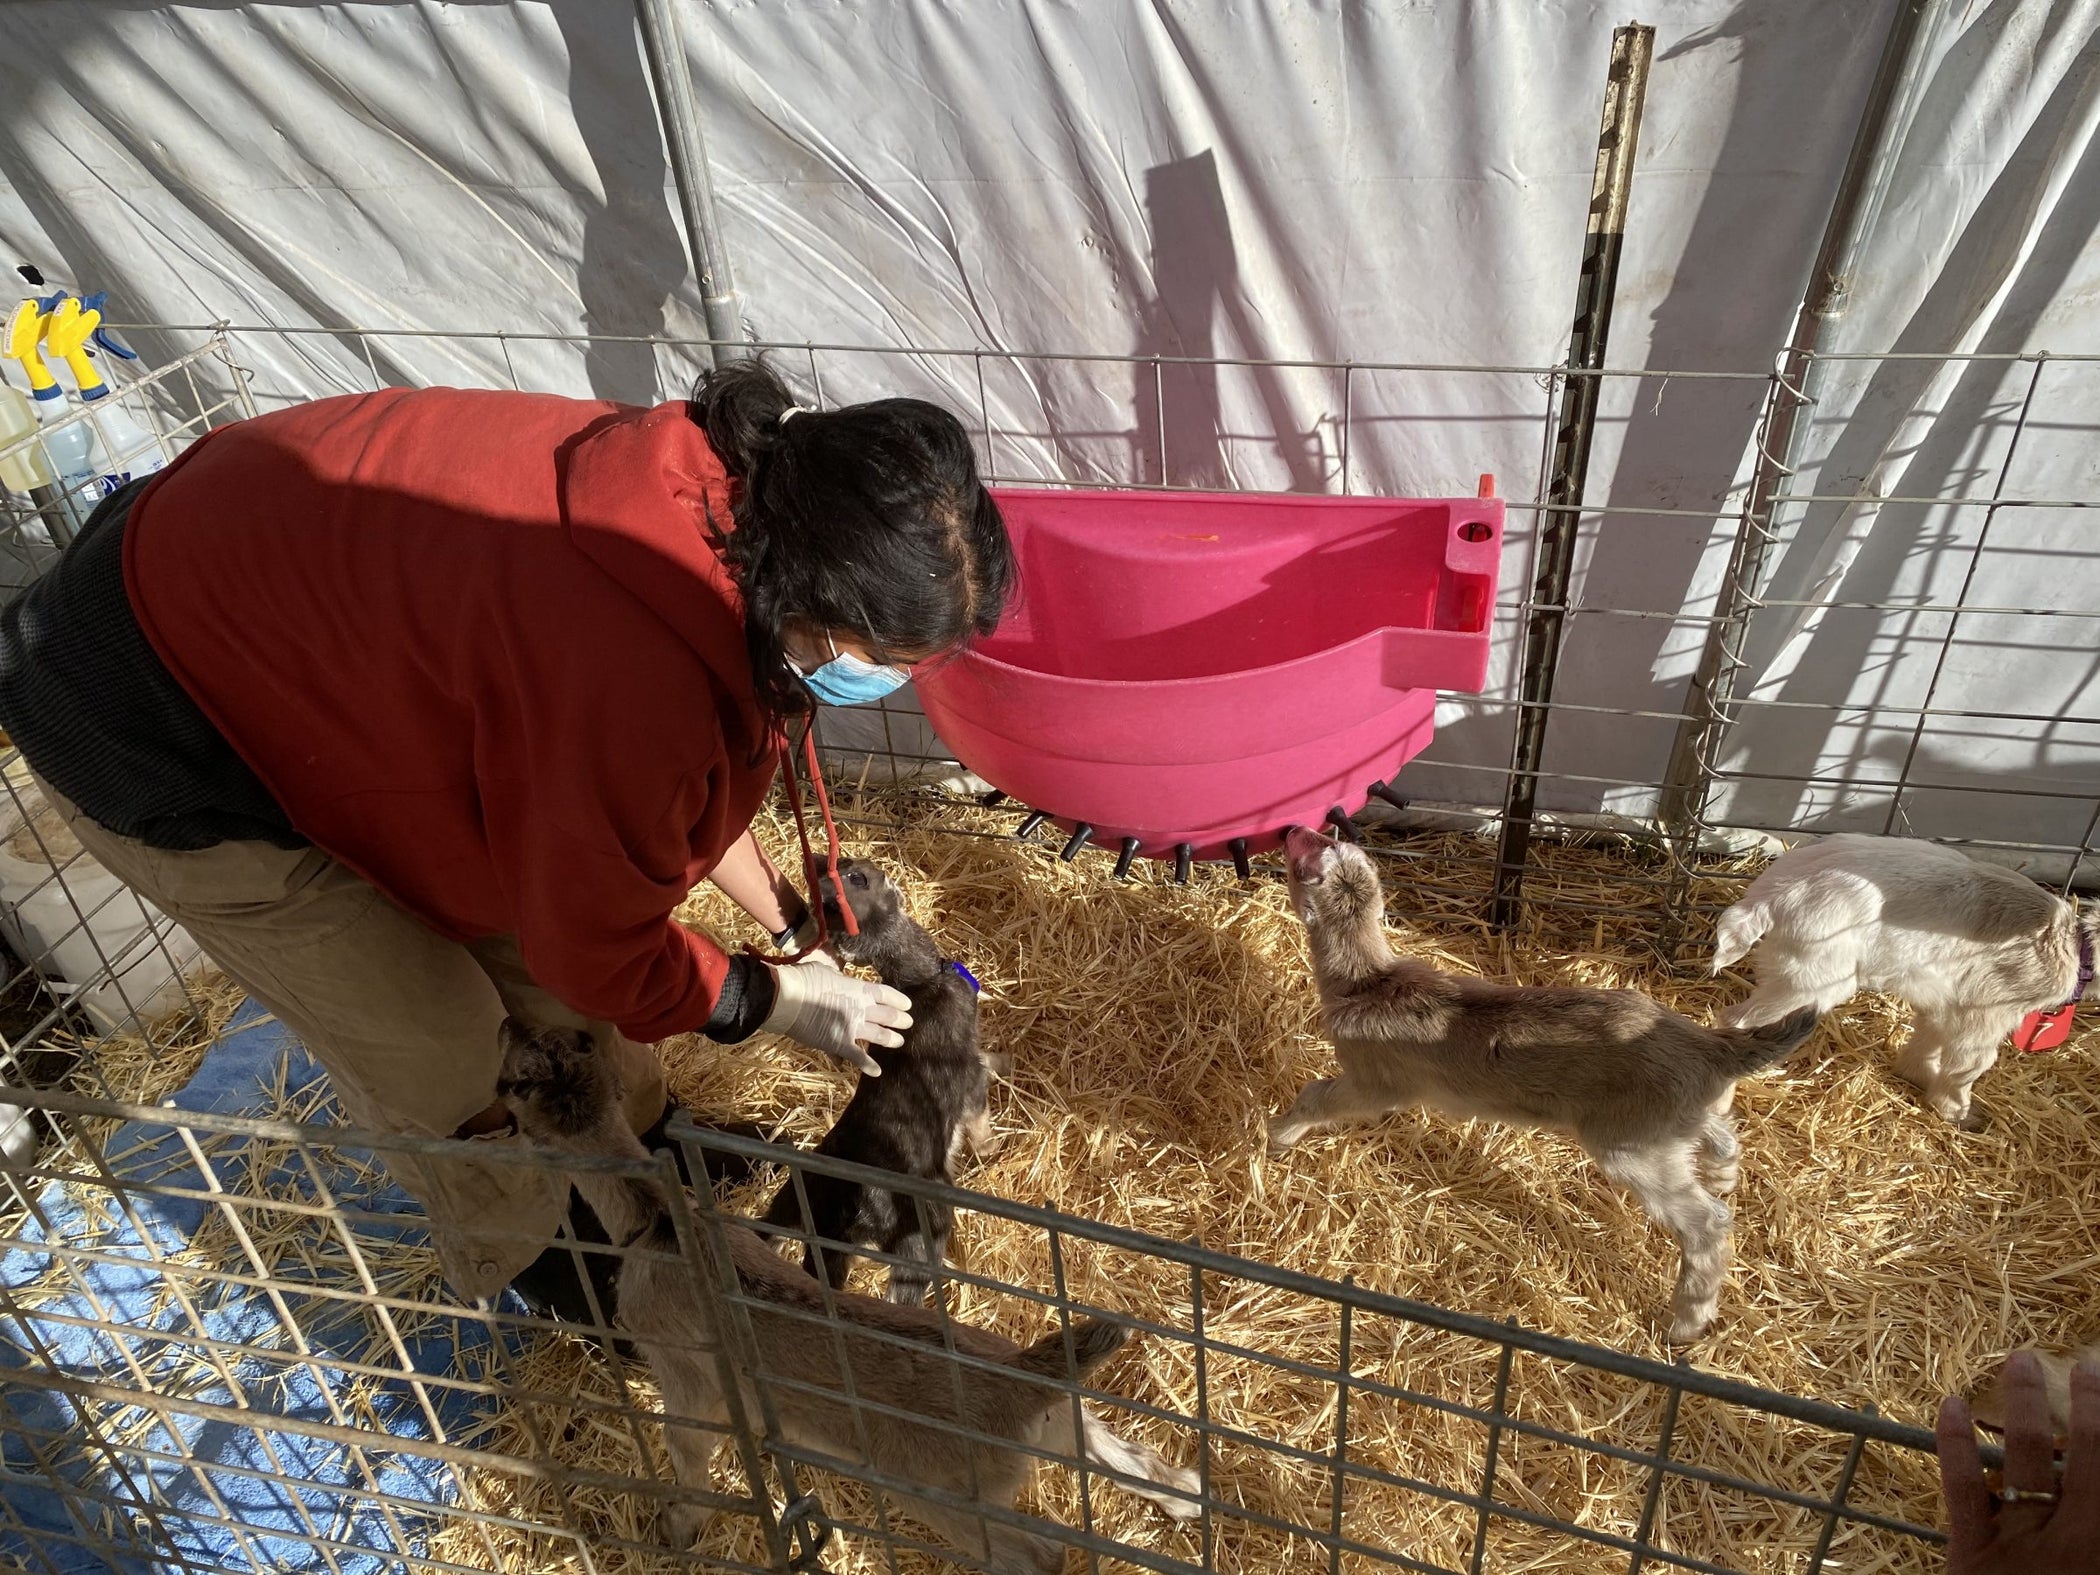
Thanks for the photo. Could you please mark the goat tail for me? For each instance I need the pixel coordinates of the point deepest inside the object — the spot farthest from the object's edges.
(1739, 929)
(1770, 1043)
(1093, 1342)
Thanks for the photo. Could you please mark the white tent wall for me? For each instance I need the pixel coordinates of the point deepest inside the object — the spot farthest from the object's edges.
(1985, 247)
(1379, 182)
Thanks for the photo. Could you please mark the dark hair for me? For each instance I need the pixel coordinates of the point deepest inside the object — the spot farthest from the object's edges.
(869, 520)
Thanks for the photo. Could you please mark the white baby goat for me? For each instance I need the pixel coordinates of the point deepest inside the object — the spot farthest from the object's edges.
(1971, 946)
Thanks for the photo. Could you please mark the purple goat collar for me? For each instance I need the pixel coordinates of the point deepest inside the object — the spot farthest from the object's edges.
(970, 978)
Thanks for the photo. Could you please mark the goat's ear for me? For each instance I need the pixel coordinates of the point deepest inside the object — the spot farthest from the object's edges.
(569, 1044)
(1354, 866)
(514, 1038)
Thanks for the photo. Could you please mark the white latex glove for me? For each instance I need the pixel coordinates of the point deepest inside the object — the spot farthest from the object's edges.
(816, 1005)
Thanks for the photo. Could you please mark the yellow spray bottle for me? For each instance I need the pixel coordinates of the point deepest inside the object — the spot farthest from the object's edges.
(123, 447)
(23, 467)
(64, 444)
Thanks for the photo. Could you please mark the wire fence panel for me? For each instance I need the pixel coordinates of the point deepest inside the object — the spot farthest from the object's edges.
(227, 1341)
(1717, 754)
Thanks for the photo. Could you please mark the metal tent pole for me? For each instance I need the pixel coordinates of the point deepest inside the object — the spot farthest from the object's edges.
(663, 47)
(1869, 167)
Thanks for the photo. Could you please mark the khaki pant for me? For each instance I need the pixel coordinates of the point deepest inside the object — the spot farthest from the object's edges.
(404, 1020)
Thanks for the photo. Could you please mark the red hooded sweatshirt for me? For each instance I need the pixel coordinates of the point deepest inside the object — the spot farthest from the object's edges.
(481, 649)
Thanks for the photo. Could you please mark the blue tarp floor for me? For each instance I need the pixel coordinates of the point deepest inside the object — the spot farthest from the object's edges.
(108, 1484)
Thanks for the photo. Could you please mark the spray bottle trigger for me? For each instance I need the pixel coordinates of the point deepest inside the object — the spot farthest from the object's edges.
(104, 337)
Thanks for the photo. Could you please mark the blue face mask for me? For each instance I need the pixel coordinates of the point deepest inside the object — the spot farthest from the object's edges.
(847, 680)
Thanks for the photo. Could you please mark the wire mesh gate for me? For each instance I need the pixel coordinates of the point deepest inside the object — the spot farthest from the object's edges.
(1517, 1449)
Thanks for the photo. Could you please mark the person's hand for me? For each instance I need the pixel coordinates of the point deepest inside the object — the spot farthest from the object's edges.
(2034, 1524)
(815, 1004)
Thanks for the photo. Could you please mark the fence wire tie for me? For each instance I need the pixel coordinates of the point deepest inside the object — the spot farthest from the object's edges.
(806, 1517)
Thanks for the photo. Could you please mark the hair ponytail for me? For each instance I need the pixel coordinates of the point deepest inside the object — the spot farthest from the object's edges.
(869, 520)
(739, 407)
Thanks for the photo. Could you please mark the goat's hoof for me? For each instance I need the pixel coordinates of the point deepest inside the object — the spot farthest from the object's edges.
(1183, 1509)
(1690, 1331)
(682, 1525)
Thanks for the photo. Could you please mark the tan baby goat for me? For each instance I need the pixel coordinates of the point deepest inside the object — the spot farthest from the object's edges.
(1642, 1089)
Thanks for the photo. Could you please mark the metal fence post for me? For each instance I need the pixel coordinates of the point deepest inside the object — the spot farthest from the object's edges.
(1626, 89)
(717, 1286)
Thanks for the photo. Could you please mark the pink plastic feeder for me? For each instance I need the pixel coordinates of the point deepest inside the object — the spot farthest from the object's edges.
(1200, 668)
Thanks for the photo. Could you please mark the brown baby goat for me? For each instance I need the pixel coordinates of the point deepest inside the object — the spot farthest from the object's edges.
(566, 1098)
(1642, 1089)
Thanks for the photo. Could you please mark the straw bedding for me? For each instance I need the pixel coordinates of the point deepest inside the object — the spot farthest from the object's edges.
(1881, 1258)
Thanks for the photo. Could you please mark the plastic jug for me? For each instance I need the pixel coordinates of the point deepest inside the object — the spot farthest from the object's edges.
(69, 448)
(126, 962)
(22, 465)
(123, 449)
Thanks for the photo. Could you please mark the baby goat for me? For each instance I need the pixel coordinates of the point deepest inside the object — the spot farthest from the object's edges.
(927, 1106)
(1971, 946)
(565, 1097)
(1642, 1089)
